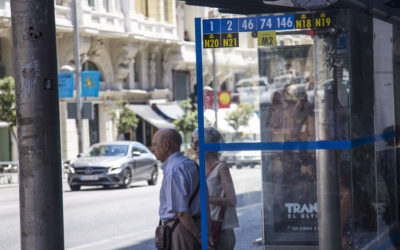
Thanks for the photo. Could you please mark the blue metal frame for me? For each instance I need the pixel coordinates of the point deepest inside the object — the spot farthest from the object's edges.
(290, 145)
(200, 111)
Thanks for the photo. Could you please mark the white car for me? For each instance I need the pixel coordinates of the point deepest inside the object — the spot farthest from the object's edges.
(115, 163)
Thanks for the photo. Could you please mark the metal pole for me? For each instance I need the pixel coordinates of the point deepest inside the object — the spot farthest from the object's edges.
(35, 68)
(329, 232)
(77, 78)
(215, 88)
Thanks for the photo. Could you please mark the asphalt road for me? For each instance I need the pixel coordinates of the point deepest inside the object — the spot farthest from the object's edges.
(124, 219)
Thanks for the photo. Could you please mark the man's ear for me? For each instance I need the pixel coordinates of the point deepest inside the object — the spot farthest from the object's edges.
(166, 146)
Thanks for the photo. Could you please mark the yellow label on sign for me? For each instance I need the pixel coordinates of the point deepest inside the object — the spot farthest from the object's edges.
(303, 21)
(230, 40)
(322, 21)
(211, 41)
(267, 38)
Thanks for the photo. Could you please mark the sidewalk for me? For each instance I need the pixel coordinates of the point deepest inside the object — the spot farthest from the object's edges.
(11, 180)
(8, 179)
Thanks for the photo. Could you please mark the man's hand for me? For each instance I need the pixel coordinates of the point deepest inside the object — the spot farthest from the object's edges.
(189, 224)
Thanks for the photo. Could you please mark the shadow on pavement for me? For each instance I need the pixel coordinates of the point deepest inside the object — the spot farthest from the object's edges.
(144, 245)
(249, 198)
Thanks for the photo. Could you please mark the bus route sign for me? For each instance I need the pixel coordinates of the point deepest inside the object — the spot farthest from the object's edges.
(313, 21)
(222, 33)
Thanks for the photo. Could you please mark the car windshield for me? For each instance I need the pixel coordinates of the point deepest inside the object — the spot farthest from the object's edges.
(108, 150)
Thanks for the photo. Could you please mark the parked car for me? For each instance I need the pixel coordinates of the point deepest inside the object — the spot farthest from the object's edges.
(229, 157)
(241, 158)
(116, 163)
(248, 158)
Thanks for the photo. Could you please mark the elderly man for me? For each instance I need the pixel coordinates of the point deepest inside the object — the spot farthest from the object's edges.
(180, 186)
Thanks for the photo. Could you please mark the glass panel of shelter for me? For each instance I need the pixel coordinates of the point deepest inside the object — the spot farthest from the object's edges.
(298, 101)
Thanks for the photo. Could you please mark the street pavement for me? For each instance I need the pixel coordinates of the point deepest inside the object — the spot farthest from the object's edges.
(124, 219)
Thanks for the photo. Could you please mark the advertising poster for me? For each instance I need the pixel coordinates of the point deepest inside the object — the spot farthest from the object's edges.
(290, 204)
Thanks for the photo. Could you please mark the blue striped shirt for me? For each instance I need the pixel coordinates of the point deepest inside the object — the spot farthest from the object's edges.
(180, 182)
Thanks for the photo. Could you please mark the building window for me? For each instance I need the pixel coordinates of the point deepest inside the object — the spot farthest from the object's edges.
(142, 7)
(105, 5)
(118, 6)
(181, 82)
(90, 66)
(166, 11)
(91, 3)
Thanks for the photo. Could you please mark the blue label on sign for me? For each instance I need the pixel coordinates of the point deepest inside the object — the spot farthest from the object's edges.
(341, 43)
(265, 23)
(247, 24)
(211, 26)
(229, 25)
(66, 85)
(90, 83)
(284, 22)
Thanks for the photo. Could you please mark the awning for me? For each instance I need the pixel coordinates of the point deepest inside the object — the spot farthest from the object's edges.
(171, 111)
(3, 124)
(146, 113)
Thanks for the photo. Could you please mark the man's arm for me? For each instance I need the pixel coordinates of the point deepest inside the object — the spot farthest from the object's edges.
(189, 224)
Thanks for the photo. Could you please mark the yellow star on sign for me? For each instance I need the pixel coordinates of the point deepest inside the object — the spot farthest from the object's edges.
(88, 82)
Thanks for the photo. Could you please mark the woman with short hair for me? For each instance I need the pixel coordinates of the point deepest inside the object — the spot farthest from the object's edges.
(222, 197)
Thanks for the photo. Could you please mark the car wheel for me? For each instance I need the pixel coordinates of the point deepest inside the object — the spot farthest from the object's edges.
(75, 187)
(154, 176)
(106, 186)
(127, 178)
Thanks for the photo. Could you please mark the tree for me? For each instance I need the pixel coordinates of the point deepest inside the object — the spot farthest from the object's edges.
(127, 119)
(188, 122)
(7, 103)
(239, 117)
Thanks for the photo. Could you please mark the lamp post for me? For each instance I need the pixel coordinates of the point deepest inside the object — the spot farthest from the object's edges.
(77, 77)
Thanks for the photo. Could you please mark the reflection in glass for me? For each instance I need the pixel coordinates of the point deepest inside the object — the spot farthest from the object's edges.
(221, 193)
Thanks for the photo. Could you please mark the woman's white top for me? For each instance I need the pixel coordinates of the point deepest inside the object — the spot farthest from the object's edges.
(215, 189)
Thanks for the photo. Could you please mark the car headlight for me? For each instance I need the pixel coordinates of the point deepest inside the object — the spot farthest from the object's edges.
(115, 170)
(71, 169)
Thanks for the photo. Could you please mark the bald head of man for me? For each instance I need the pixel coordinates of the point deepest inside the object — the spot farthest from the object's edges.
(165, 143)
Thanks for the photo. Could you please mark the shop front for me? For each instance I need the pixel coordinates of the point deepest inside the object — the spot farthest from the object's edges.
(323, 172)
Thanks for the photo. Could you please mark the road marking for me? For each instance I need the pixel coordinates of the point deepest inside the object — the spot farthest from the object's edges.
(136, 237)
(9, 207)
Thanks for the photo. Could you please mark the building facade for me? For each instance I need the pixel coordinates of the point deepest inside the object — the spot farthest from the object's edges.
(145, 53)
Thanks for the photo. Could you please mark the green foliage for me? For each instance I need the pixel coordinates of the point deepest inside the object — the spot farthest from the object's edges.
(240, 116)
(188, 122)
(7, 101)
(127, 118)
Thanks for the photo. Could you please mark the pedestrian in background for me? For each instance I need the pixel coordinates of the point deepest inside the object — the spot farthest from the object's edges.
(179, 193)
(221, 193)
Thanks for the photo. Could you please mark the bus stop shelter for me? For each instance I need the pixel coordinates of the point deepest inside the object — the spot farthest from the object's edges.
(328, 111)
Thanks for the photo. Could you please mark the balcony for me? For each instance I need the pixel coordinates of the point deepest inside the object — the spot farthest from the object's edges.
(100, 21)
(140, 26)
